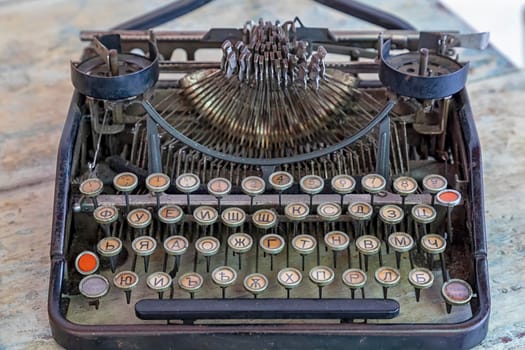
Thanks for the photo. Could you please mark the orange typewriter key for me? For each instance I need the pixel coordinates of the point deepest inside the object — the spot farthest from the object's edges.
(449, 199)
(86, 263)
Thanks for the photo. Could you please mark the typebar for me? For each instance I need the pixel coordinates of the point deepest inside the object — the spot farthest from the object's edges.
(194, 309)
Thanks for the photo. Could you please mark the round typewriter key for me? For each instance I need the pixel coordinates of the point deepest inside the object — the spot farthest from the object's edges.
(304, 244)
(391, 214)
(205, 215)
(420, 278)
(373, 183)
(187, 183)
(434, 245)
(170, 215)
(449, 199)
(387, 277)
(289, 278)
(207, 246)
(233, 217)
(105, 215)
(368, 245)
(355, 279)
(143, 246)
(157, 183)
(219, 187)
(126, 281)
(342, 184)
(405, 185)
(94, 287)
(321, 276)
(110, 247)
(191, 282)
(329, 211)
(456, 292)
(139, 218)
(360, 211)
(125, 183)
(336, 241)
(434, 183)
(176, 246)
(311, 184)
(296, 211)
(159, 282)
(91, 188)
(224, 276)
(253, 186)
(86, 263)
(264, 219)
(423, 213)
(272, 244)
(401, 242)
(255, 283)
(280, 182)
(240, 243)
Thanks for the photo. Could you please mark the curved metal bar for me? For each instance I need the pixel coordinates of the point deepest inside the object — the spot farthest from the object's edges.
(152, 112)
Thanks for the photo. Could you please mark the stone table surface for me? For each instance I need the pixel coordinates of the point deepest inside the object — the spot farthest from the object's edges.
(39, 38)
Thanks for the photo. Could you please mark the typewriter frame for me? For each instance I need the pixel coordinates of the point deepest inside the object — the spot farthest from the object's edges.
(307, 336)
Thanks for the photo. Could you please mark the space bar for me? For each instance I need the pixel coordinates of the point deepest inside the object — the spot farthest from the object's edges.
(199, 309)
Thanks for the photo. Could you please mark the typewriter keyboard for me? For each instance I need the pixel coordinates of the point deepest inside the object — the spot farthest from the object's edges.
(283, 249)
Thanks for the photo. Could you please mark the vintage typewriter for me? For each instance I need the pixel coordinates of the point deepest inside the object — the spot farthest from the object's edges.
(270, 198)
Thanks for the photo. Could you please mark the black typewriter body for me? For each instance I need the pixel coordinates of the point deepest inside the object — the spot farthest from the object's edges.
(235, 118)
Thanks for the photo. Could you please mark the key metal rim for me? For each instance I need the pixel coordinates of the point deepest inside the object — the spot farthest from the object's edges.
(110, 253)
(187, 189)
(102, 290)
(307, 237)
(351, 284)
(129, 286)
(80, 256)
(125, 188)
(171, 251)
